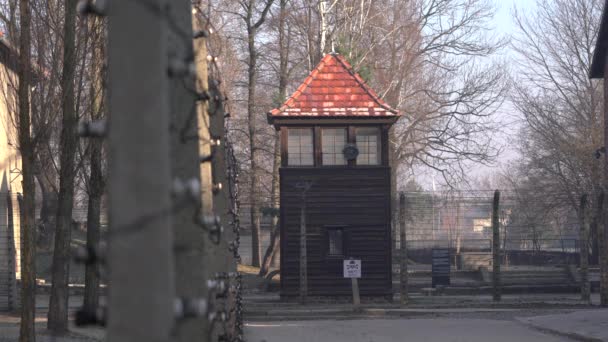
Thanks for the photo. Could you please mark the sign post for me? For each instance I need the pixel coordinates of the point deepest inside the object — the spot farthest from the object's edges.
(352, 270)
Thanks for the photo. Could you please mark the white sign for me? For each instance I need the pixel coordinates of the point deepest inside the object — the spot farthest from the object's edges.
(352, 268)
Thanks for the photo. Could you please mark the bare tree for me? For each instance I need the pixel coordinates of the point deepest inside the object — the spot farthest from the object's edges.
(26, 147)
(560, 106)
(283, 47)
(35, 127)
(446, 83)
(253, 24)
(96, 179)
(58, 306)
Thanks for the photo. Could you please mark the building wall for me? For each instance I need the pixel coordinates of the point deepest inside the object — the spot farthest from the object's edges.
(10, 184)
(356, 198)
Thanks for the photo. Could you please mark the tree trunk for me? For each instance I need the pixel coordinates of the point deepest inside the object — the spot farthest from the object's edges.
(253, 193)
(275, 232)
(96, 182)
(48, 209)
(91, 276)
(310, 42)
(28, 230)
(58, 306)
(46, 175)
(323, 28)
(594, 255)
(274, 247)
(275, 260)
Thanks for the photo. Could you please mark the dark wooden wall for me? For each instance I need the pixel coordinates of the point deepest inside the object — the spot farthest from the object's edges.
(357, 198)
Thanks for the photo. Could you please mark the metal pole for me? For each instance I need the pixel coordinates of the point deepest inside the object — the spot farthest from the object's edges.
(584, 250)
(403, 252)
(496, 287)
(356, 296)
(140, 249)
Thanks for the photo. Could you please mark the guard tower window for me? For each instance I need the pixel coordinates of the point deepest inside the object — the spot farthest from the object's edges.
(300, 147)
(368, 142)
(335, 238)
(333, 142)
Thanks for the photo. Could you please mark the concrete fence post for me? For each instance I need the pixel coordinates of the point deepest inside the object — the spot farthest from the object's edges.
(603, 246)
(304, 187)
(303, 258)
(140, 250)
(496, 287)
(191, 262)
(403, 252)
(584, 249)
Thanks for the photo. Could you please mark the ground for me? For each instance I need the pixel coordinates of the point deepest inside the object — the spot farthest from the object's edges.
(9, 331)
(550, 318)
(9, 325)
(436, 329)
(530, 317)
(446, 325)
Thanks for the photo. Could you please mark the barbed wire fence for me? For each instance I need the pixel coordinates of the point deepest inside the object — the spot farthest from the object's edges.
(461, 221)
(197, 186)
(538, 231)
(524, 239)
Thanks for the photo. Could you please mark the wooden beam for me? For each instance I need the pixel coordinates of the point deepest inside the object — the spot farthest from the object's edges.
(384, 143)
(352, 139)
(317, 148)
(284, 149)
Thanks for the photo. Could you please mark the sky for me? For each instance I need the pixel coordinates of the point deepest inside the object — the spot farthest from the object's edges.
(504, 25)
(504, 18)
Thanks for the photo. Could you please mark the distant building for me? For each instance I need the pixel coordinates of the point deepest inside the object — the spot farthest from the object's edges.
(599, 66)
(10, 181)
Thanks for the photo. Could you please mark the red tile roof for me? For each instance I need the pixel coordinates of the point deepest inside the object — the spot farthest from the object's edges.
(333, 89)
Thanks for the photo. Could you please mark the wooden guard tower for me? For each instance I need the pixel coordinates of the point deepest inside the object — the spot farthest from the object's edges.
(334, 152)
